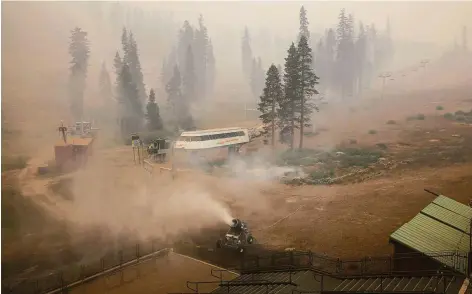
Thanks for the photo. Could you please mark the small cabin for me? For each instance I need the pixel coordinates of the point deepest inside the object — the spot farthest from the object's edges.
(73, 153)
(437, 237)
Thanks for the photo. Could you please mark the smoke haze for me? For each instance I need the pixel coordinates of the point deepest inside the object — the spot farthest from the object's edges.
(35, 66)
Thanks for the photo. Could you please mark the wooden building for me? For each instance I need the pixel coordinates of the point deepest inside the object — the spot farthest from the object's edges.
(73, 153)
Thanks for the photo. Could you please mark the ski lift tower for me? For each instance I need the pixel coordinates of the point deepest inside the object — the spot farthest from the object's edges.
(383, 76)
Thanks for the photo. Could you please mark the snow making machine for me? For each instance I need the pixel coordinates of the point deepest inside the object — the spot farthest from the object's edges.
(237, 237)
(158, 149)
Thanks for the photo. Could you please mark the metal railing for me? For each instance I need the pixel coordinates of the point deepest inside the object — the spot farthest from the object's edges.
(439, 281)
(392, 264)
(380, 267)
(76, 275)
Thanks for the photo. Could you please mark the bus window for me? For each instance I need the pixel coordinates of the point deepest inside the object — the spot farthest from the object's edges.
(196, 139)
(184, 139)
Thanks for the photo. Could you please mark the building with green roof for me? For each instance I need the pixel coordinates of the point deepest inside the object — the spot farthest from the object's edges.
(441, 232)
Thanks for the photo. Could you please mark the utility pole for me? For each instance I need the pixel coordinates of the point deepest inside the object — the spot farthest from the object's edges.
(383, 76)
(424, 62)
(63, 130)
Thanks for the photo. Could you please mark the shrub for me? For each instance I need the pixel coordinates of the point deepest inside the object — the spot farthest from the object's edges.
(322, 174)
(449, 115)
(299, 157)
(359, 157)
(419, 116)
(382, 146)
(14, 162)
(439, 107)
(311, 134)
(372, 132)
(391, 122)
(460, 118)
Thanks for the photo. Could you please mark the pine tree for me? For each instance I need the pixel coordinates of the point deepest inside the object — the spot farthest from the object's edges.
(80, 52)
(330, 58)
(247, 57)
(173, 89)
(271, 97)
(281, 71)
(292, 79)
(125, 45)
(389, 47)
(200, 57)
(211, 71)
(186, 38)
(180, 107)
(117, 64)
(135, 66)
(360, 57)
(131, 111)
(343, 69)
(168, 67)
(129, 94)
(257, 77)
(308, 81)
(153, 118)
(189, 77)
(320, 60)
(304, 31)
(105, 87)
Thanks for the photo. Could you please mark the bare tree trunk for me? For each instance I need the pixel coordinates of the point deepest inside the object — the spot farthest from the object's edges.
(292, 123)
(273, 123)
(302, 117)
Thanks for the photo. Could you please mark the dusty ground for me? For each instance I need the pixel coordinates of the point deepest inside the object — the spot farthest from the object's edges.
(348, 220)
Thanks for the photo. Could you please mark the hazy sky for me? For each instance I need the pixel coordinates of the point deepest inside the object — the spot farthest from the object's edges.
(428, 21)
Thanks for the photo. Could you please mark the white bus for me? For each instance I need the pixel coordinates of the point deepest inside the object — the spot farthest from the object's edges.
(215, 138)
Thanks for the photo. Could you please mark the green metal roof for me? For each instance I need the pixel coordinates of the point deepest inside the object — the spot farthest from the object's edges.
(448, 217)
(428, 235)
(431, 237)
(454, 206)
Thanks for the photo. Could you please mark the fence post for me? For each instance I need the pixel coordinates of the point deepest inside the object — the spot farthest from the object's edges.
(291, 257)
(310, 258)
(82, 273)
(445, 284)
(102, 263)
(37, 287)
(61, 281)
(391, 264)
(121, 267)
(138, 272)
(322, 278)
